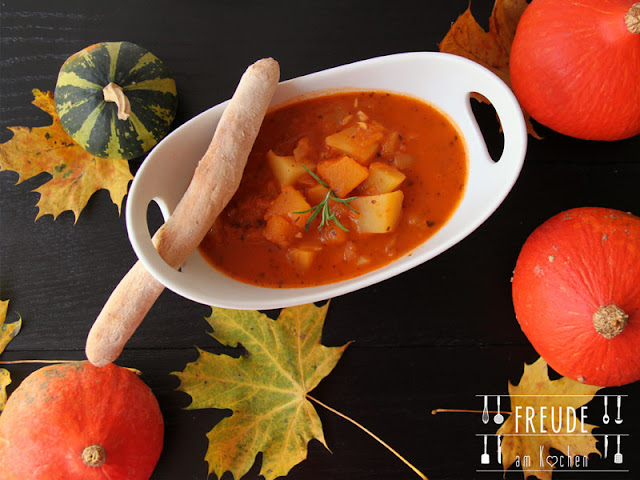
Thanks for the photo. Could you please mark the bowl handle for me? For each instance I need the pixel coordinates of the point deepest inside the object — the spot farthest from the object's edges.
(148, 190)
(511, 119)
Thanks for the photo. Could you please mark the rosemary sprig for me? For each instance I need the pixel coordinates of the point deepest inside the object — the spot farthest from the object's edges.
(323, 207)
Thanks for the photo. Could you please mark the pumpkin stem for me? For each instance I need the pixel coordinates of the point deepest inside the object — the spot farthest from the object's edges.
(94, 456)
(632, 18)
(113, 93)
(610, 320)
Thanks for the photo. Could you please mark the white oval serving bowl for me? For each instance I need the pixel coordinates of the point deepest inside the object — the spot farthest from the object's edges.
(444, 81)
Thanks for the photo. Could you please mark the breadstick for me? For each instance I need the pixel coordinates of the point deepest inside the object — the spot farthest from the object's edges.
(214, 182)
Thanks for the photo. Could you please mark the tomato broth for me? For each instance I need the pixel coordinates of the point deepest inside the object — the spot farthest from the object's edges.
(382, 172)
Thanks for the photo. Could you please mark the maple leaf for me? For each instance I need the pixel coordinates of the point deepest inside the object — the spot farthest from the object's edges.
(490, 49)
(266, 388)
(536, 390)
(76, 174)
(7, 333)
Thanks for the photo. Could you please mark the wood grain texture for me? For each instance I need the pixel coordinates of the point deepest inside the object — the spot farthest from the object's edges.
(435, 336)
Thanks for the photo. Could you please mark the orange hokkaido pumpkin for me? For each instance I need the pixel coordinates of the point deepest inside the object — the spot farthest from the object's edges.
(79, 422)
(575, 66)
(576, 294)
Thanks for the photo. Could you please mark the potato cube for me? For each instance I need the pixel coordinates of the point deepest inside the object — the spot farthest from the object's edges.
(342, 174)
(304, 152)
(390, 144)
(301, 258)
(286, 203)
(285, 169)
(280, 231)
(403, 160)
(383, 178)
(378, 213)
(359, 141)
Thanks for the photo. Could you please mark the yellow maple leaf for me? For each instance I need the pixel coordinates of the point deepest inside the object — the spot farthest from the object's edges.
(546, 414)
(490, 49)
(76, 174)
(266, 388)
(7, 333)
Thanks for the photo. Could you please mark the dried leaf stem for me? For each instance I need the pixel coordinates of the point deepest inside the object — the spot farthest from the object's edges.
(456, 410)
(372, 435)
(18, 362)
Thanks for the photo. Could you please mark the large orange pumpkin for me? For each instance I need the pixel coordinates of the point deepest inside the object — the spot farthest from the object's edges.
(576, 294)
(575, 64)
(79, 422)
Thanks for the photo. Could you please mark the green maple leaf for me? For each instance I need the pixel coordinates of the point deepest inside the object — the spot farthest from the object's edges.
(266, 388)
(7, 333)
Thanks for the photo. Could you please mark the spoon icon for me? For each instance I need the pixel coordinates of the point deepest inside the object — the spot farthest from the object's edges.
(485, 412)
(619, 418)
(605, 418)
(498, 417)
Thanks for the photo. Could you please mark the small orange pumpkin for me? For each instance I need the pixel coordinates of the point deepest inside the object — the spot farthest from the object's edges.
(574, 66)
(576, 294)
(76, 421)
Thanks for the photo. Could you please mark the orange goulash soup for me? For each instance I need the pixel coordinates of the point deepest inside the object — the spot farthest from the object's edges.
(337, 186)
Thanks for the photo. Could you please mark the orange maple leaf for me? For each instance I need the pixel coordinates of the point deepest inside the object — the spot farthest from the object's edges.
(490, 49)
(76, 174)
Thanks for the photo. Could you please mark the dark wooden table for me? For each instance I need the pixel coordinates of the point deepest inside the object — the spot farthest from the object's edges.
(434, 337)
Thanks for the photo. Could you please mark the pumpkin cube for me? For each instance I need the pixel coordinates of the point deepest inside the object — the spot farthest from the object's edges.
(342, 174)
(286, 203)
(333, 235)
(280, 231)
(301, 258)
(359, 141)
(378, 213)
(383, 178)
(285, 169)
(306, 181)
(317, 193)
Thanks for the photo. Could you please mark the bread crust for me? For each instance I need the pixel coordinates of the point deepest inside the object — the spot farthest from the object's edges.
(215, 180)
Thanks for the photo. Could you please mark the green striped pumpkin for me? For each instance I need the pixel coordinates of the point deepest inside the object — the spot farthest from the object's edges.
(97, 118)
